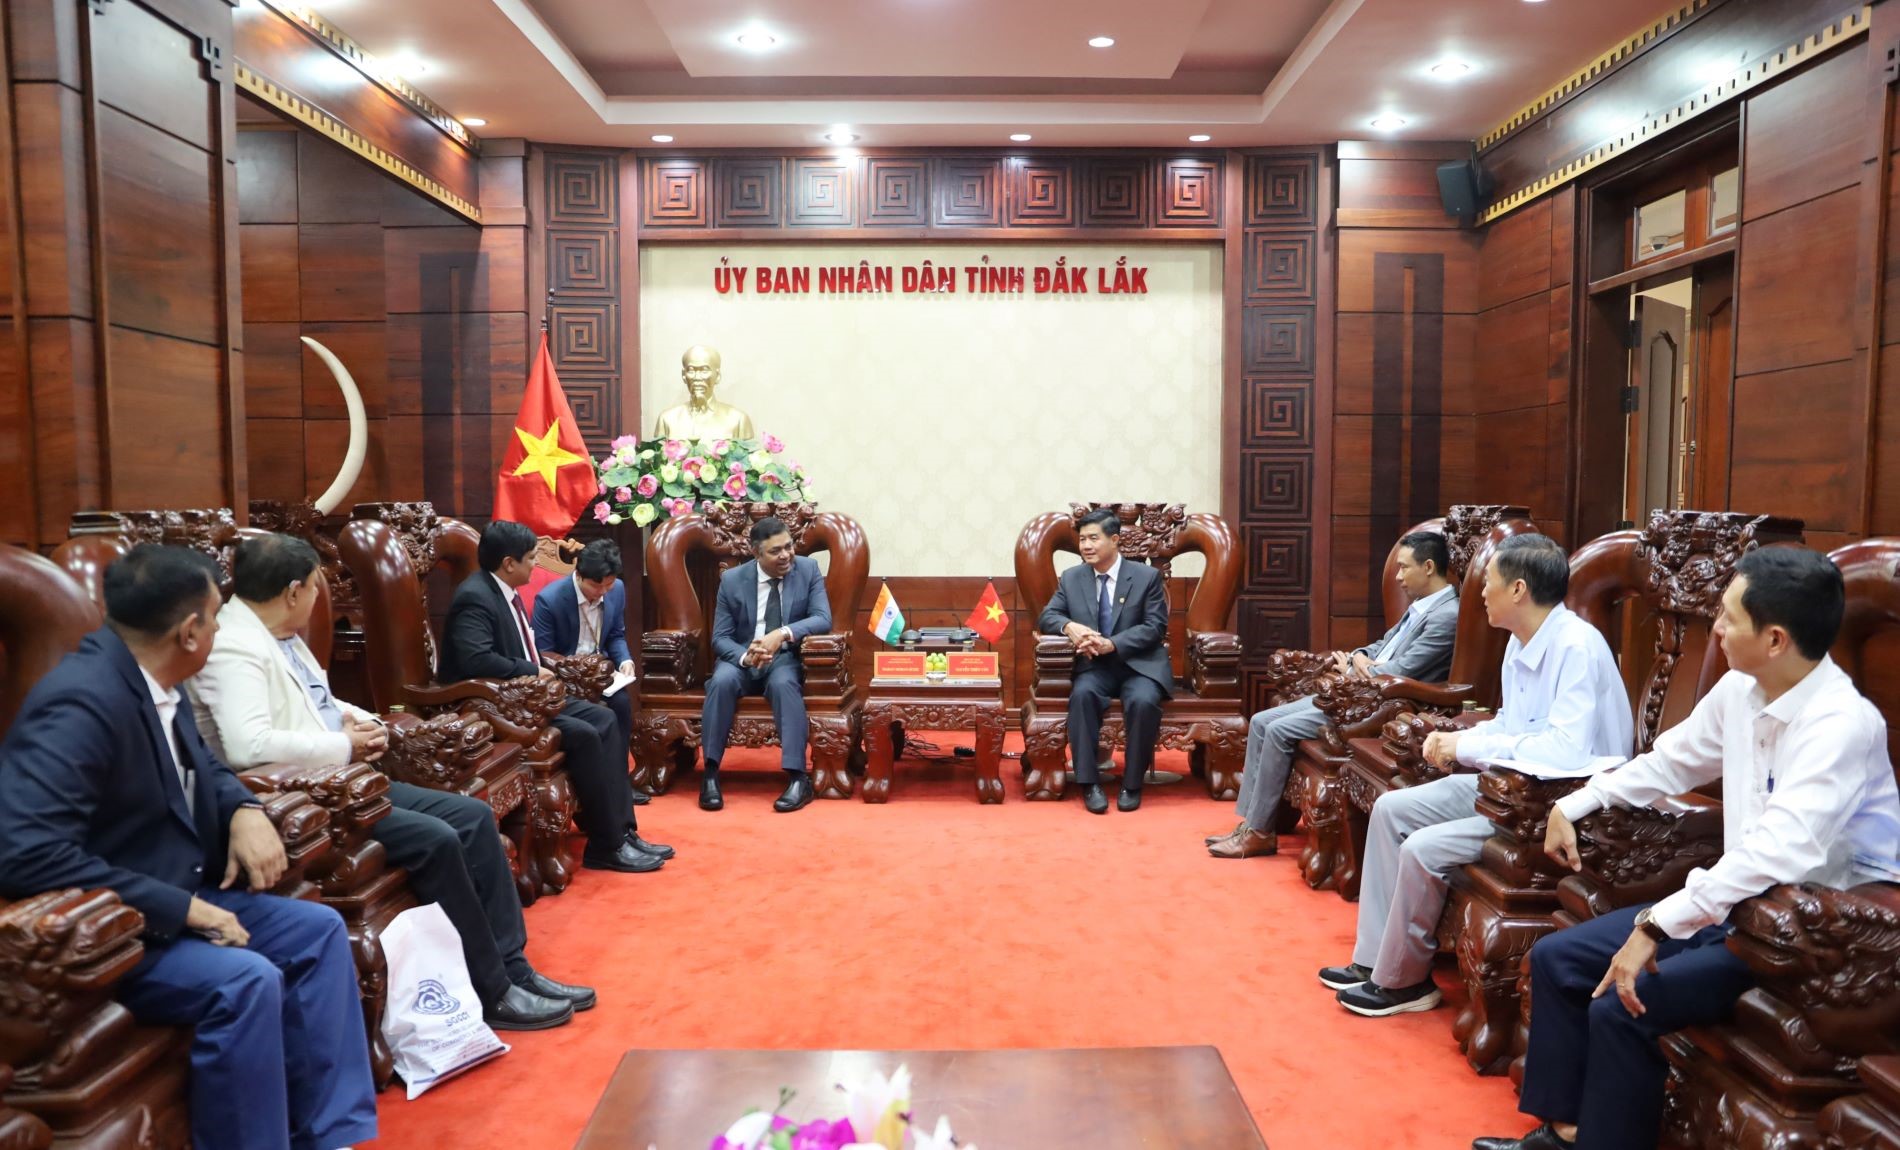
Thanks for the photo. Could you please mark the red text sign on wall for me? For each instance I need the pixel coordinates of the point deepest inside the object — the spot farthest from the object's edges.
(926, 278)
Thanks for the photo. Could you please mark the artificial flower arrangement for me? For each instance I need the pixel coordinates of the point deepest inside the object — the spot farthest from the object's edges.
(642, 481)
(877, 1117)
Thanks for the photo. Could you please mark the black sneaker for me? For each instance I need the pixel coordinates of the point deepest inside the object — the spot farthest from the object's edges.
(1345, 977)
(1375, 1001)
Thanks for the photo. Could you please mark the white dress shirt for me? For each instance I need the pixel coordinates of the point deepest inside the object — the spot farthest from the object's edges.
(1563, 701)
(1807, 791)
(1413, 619)
(591, 611)
(765, 590)
(167, 704)
(520, 617)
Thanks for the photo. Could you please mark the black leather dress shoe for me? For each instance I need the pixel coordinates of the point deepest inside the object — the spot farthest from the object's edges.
(579, 997)
(641, 798)
(1094, 799)
(1542, 1138)
(798, 792)
(1128, 801)
(658, 850)
(625, 859)
(522, 1009)
(709, 797)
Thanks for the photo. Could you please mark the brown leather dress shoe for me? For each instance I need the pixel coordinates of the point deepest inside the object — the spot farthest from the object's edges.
(1245, 844)
(1210, 840)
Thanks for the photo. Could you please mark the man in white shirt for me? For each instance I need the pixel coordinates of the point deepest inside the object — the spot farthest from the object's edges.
(262, 698)
(1418, 646)
(1563, 703)
(1808, 795)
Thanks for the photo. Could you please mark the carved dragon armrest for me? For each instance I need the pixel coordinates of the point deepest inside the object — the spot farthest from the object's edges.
(304, 827)
(1445, 698)
(356, 795)
(1213, 664)
(586, 677)
(669, 661)
(62, 954)
(1831, 954)
(827, 662)
(1635, 855)
(448, 696)
(1055, 667)
(442, 752)
(1291, 674)
(1403, 740)
(1518, 804)
(1355, 707)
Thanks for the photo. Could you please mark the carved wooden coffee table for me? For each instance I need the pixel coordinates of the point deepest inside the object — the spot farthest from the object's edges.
(1180, 1097)
(948, 707)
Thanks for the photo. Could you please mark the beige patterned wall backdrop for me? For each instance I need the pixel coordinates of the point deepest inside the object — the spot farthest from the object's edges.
(944, 422)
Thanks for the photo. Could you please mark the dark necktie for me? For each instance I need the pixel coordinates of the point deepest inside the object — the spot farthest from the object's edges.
(1104, 610)
(774, 609)
(527, 632)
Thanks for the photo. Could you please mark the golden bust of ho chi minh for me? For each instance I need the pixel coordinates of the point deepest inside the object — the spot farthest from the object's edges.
(702, 416)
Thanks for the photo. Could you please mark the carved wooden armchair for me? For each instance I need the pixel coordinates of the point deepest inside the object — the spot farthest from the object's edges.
(1668, 578)
(684, 559)
(1344, 771)
(1869, 1121)
(1203, 718)
(355, 879)
(74, 1067)
(521, 774)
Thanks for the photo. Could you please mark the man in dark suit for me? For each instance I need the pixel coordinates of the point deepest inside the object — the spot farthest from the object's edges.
(487, 637)
(104, 782)
(1116, 615)
(766, 608)
(586, 614)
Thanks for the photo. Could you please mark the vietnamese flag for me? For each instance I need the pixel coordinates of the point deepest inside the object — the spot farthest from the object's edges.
(546, 478)
(988, 619)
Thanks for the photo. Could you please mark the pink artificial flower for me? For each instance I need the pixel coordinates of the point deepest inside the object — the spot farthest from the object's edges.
(735, 486)
(774, 444)
(601, 512)
(603, 491)
(623, 495)
(681, 508)
(721, 446)
(623, 441)
(666, 504)
(769, 479)
(794, 466)
(737, 467)
(675, 449)
(648, 485)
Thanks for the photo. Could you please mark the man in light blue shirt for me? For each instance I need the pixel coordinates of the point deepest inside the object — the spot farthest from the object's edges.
(1563, 704)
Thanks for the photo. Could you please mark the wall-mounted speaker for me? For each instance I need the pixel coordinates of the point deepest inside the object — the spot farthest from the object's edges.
(1463, 189)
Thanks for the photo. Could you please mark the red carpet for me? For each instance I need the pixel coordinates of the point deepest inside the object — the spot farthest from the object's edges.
(932, 922)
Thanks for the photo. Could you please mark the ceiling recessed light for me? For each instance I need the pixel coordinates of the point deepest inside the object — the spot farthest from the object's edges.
(757, 40)
(1101, 41)
(1020, 137)
(406, 66)
(1199, 138)
(1388, 123)
(1450, 69)
(840, 136)
(662, 139)
(474, 122)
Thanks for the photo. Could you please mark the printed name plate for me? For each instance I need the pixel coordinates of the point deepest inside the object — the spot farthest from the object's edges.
(898, 666)
(967, 665)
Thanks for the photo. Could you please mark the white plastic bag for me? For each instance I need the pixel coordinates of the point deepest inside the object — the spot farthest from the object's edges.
(433, 1020)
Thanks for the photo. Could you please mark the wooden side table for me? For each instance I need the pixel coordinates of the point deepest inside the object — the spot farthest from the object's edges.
(947, 707)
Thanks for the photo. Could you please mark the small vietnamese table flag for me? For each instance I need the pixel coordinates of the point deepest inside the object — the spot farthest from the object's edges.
(546, 478)
(887, 619)
(988, 619)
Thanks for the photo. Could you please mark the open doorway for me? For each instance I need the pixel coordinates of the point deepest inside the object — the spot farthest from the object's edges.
(1676, 399)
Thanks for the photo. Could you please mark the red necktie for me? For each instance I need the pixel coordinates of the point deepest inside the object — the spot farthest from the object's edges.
(527, 634)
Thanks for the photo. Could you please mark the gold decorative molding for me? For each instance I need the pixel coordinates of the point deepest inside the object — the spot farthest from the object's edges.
(368, 64)
(304, 112)
(1591, 71)
(1844, 30)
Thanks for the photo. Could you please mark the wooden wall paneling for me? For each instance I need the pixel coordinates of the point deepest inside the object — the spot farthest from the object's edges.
(1189, 194)
(1513, 447)
(1395, 192)
(1794, 304)
(1041, 192)
(584, 271)
(18, 523)
(1282, 189)
(673, 194)
(748, 191)
(1805, 134)
(896, 192)
(334, 186)
(267, 176)
(823, 192)
(1455, 251)
(1513, 355)
(159, 229)
(364, 350)
(166, 422)
(1359, 358)
(276, 448)
(269, 269)
(1278, 266)
(1116, 192)
(1795, 444)
(1884, 437)
(455, 268)
(457, 362)
(335, 263)
(273, 373)
(969, 192)
(1515, 261)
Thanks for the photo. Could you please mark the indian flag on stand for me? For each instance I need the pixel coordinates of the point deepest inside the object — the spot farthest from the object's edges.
(887, 618)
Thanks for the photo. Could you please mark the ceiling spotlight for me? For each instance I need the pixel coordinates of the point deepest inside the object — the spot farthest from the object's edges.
(1388, 123)
(474, 122)
(1199, 138)
(756, 40)
(662, 139)
(1020, 137)
(1101, 41)
(1450, 69)
(840, 136)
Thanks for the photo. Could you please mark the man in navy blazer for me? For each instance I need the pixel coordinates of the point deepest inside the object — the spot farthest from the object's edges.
(1115, 614)
(586, 614)
(104, 782)
(767, 606)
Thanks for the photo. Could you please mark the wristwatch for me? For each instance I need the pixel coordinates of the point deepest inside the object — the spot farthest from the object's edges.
(1646, 922)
